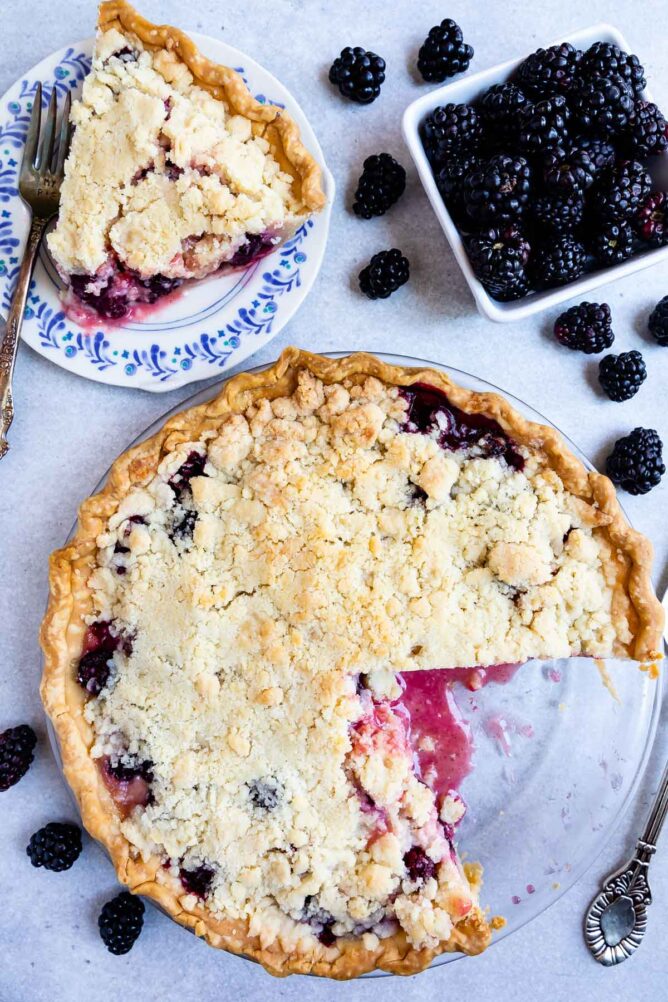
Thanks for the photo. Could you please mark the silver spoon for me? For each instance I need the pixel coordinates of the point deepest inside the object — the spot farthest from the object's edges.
(616, 919)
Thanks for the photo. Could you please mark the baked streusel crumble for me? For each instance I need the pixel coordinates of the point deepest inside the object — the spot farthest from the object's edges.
(240, 609)
(175, 171)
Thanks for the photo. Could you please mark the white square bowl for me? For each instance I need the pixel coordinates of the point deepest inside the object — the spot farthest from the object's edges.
(467, 90)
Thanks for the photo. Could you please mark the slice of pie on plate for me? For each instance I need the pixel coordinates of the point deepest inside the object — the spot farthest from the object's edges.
(175, 171)
(231, 627)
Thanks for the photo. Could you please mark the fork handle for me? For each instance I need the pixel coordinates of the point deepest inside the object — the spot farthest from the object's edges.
(10, 338)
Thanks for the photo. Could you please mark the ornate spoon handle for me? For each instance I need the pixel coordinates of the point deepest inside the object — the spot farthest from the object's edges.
(12, 329)
(617, 917)
(649, 838)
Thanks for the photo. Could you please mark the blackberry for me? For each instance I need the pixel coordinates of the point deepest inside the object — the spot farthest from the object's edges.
(498, 258)
(498, 191)
(648, 132)
(601, 153)
(585, 328)
(419, 866)
(264, 794)
(381, 184)
(549, 71)
(55, 847)
(384, 274)
(450, 180)
(556, 215)
(636, 461)
(544, 124)
(652, 220)
(500, 107)
(444, 53)
(658, 322)
(612, 243)
(198, 880)
(450, 129)
(621, 191)
(358, 74)
(604, 105)
(120, 922)
(603, 59)
(94, 669)
(621, 376)
(559, 262)
(17, 745)
(568, 173)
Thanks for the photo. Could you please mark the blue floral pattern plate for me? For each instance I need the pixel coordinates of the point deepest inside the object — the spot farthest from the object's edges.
(214, 324)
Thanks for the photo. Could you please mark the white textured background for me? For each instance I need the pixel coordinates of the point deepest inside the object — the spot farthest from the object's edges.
(67, 431)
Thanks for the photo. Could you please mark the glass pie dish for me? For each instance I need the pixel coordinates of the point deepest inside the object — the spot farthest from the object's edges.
(538, 814)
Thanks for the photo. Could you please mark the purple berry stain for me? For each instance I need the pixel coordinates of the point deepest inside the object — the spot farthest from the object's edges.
(430, 410)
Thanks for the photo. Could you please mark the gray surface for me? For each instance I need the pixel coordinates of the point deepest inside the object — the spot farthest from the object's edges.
(67, 431)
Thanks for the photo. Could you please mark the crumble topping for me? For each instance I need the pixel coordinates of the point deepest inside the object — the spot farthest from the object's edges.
(160, 174)
(269, 582)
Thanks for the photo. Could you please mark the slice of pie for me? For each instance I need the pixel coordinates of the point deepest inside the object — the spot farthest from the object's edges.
(233, 629)
(175, 171)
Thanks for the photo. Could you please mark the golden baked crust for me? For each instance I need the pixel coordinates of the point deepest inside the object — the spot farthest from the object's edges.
(635, 610)
(270, 122)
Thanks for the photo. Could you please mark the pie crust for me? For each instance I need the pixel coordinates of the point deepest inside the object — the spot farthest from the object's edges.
(635, 611)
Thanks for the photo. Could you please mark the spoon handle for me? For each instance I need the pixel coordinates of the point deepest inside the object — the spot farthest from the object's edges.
(649, 838)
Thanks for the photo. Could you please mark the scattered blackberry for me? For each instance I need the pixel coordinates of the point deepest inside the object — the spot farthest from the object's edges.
(499, 258)
(559, 262)
(613, 243)
(381, 184)
(603, 105)
(601, 153)
(452, 128)
(358, 74)
(120, 922)
(652, 220)
(603, 59)
(17, 745)
(544, 124)
(621, 376)
(621, 191)
(658, 324)
(444, 53)
(55, 847)
(557, 215)
(500, 107)
(636, 461)
(450, 180)
(498, 191)
(568, 173)
(585, 328)
(549, 71)
(384, 274)
(648, 132)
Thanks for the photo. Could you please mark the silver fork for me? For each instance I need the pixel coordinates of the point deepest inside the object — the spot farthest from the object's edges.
(41, 176)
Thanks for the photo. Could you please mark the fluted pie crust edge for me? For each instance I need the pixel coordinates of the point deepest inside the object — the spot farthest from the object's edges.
(637, 614)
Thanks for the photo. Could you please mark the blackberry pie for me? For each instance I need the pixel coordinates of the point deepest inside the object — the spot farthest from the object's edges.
(175, 172)
(249, 634)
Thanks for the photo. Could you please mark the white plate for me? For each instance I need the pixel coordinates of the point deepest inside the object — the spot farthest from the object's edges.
(467, 89)
(557, 759)
(214, 324)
